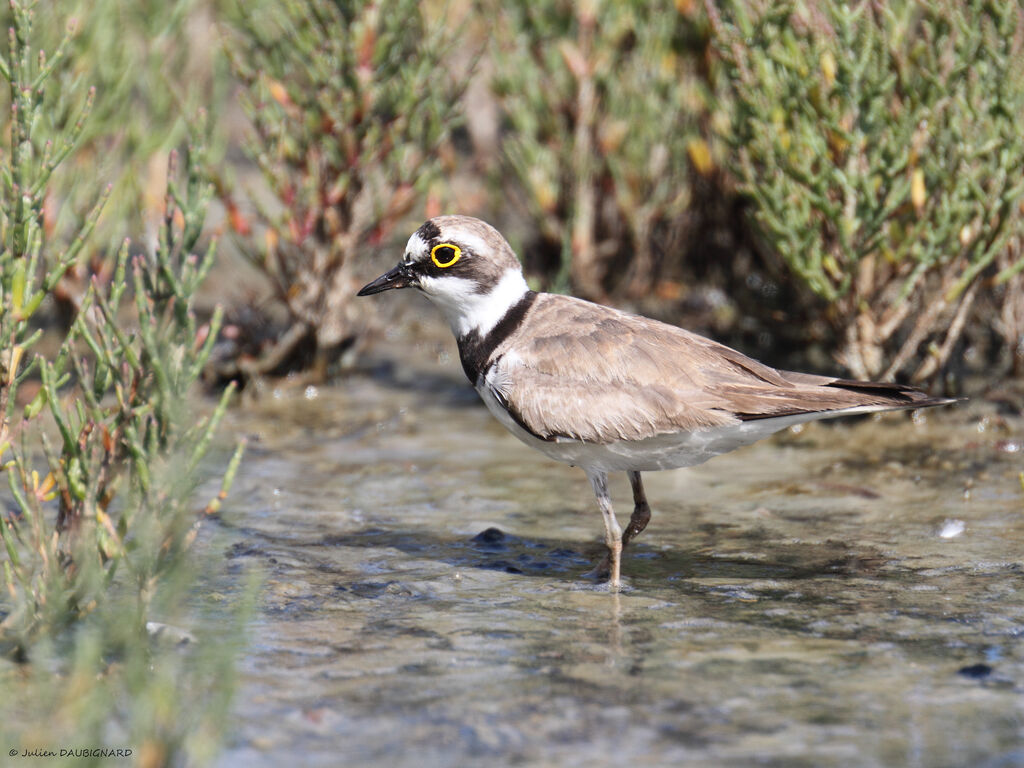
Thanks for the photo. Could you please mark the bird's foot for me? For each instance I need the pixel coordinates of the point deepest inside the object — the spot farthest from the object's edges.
(602, 572)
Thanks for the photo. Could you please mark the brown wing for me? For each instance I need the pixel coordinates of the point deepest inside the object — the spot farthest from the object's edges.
(585, 371)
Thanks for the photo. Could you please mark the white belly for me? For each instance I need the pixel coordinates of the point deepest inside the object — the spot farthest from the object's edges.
(666, 451)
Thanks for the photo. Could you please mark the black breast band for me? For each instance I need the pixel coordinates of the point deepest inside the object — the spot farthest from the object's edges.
(474, 351)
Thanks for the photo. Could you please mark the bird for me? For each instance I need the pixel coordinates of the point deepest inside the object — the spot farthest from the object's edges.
(599, 388)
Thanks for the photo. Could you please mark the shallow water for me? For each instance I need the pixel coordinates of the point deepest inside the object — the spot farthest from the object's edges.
(851, 594)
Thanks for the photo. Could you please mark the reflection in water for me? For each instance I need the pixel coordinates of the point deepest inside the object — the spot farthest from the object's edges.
(799, 602)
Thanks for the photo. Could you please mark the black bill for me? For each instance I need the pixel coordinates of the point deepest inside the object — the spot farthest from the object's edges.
(398, 277)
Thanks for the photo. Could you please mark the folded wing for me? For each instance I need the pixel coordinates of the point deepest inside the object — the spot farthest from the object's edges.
(586, 372)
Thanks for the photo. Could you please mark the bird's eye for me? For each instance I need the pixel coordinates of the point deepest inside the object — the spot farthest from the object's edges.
(445, 254)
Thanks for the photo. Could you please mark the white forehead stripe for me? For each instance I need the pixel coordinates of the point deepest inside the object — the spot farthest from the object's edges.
(473, 243)
(468, 311)
(416, 248)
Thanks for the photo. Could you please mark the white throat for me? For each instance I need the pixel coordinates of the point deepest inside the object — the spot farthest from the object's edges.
(467, 311)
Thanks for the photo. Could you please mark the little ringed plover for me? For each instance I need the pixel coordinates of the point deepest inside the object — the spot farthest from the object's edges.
(602, 389)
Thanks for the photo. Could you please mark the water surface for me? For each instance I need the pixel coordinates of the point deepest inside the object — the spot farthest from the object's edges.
(849, 594)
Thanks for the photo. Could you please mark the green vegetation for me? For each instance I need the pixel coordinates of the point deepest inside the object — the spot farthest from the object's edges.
(349, 103)
(881, 147)
(96, 442)
(152, 63)
(604, 105)
(873, 147)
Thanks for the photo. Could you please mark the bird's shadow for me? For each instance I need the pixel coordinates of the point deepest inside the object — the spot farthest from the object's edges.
(495, 550)
(491, 549)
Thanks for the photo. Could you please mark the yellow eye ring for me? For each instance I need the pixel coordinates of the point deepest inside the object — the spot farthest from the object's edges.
(456, 254)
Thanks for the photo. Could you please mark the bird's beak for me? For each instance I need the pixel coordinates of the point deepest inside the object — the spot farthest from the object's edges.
(398, 277)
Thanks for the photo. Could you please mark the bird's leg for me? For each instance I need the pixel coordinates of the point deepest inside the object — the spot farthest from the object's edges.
(641, 511)
(612, 531)
(637, 522)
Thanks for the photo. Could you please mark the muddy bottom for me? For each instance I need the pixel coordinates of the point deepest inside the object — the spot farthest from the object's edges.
(850, 594)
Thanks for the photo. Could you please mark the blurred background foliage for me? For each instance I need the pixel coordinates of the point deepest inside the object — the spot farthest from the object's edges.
(347, 112)
(831, 186)
(152, 65)
(587, 91)
(828, 185)
(879, 145)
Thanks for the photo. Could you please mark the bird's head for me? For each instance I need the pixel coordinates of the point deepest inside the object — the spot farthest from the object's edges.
(464, 266)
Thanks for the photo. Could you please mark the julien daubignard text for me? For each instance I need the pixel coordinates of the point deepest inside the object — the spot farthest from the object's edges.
(72, 752)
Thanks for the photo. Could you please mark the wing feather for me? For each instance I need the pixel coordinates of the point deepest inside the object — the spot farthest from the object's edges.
(586, 372)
